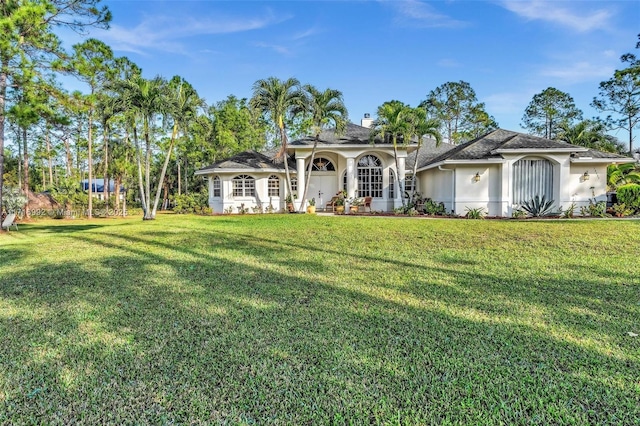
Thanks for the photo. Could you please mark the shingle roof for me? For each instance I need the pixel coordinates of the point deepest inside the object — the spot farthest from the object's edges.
(487, 147)
(250, 160)
(427, 152)
(353, 135)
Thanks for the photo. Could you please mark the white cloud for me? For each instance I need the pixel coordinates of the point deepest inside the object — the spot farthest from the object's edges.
(415, 13)
(576, 72)
(576, 17)
(164, 32)
(283, 50)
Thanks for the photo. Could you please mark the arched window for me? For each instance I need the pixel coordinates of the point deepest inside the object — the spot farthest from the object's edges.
(532, 177)
(217, 187)
(321, 164)
(370, 176)
(244, 186)
(344, 180)
(392, 184)
(273, 185)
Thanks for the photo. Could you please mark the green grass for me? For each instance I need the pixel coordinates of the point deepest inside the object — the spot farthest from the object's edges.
(299, 319)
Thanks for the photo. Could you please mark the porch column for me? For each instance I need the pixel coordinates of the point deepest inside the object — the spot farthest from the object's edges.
(301, 182)
(351, 177)
(210, 180)
(401, 188)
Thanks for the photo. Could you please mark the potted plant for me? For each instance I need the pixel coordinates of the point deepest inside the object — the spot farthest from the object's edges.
(355, 204)
(340, 202)
(311, 208)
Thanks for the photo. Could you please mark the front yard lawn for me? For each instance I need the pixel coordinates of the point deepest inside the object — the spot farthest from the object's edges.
(299, 319)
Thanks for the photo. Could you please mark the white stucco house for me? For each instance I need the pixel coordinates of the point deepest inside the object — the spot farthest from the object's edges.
(497, 172)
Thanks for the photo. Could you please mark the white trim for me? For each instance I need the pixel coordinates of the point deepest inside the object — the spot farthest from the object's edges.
(447, 162)
(227, 171)
(537, 150)
(587, 160)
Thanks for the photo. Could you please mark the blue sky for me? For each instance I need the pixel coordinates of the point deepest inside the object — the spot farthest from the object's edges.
(375, 51)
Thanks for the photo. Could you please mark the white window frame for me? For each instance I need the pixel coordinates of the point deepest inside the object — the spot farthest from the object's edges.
(244, 186)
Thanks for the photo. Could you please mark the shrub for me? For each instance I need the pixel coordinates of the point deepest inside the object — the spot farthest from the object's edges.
(621, 210)
(191, 203)
(13, 200)
(477, 213)
(433, 208)
(629, 195)
(595, 208)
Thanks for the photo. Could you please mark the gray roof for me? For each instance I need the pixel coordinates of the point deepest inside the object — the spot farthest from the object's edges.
(250, 160)
(486, 147)
(427, 152)
(353, 135)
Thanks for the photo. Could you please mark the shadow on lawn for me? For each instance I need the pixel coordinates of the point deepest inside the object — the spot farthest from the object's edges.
(189, 333)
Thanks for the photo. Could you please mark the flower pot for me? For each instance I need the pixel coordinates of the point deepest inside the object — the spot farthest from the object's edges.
(311, 209)
(290, 207)
(353, 209)
(340, 209)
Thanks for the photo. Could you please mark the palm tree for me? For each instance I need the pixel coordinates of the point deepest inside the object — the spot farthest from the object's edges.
(143, 100)
(422, 126)
(182, 105)
(393, 122)
(280, 101)
(590, 134)
(622, 174)
(325, 109)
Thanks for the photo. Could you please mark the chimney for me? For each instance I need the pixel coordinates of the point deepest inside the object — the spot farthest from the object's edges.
(367, 121)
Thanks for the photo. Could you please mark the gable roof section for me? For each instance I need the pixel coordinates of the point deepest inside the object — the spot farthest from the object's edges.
(353, 135)
(490, 147)
(247, 161)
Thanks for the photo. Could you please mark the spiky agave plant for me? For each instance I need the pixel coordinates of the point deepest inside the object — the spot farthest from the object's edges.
(538, 206)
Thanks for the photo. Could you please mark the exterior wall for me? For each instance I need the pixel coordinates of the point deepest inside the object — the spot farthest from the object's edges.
(228, 203)
(580, 190)
(439, 186)
(484, 194)
(456, 188)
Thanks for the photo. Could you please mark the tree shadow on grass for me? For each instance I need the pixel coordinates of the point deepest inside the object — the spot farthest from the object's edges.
(173, 334)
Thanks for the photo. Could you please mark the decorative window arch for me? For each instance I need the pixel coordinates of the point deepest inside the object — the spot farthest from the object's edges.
(273, 186)
(217, 187)
(244, 186)
(321, 164)
(392, 184)
(532, 177)
(369, 176)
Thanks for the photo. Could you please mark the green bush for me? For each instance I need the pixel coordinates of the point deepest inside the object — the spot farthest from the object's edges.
(629, 195)
(191, 203)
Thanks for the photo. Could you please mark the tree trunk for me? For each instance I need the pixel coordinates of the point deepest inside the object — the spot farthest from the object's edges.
(143, 197)
(3, 94)
(69, 158)
(308, 177)
(105, 180)
(164, 170)
(179, 193)
(50, 160)
(117, 192)
(25, 170)
(90, 166)
(147, 170)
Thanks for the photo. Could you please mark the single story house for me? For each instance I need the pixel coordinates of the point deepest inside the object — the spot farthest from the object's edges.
(97, 188)
(497, 172)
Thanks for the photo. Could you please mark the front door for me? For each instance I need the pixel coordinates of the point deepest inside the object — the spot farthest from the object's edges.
(322, 187)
